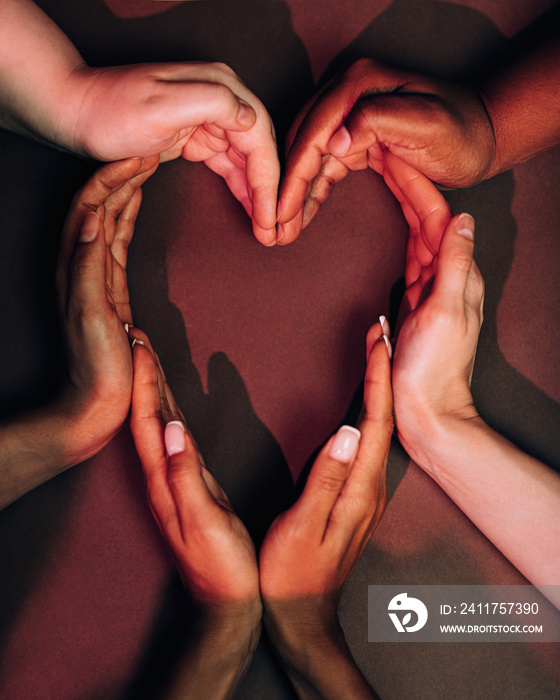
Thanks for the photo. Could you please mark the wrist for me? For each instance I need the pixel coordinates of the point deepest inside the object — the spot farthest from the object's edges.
(86, 423)
(34, 450)
(432, 439)
(314, 652)
(218, 651)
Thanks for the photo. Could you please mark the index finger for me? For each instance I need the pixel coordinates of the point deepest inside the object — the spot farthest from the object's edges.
(304, 157)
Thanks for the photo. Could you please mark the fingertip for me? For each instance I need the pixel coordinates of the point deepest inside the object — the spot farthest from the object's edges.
(246, 115)
(174, 438)
(268, 237)
(380, 331)
(464, 225)
(344, 445)
(340, 142)
(288, 231)
(90, 228)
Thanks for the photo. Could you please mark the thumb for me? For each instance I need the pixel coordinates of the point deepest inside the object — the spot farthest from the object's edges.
(184, 474)
(385, 119)
(86, 274)
(455, 259)
(327, 478)
(192, 104)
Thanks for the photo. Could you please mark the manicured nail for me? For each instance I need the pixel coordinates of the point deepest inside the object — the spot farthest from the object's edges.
(126, 327)
(386, 333)
(174, 438)
(340, 142)
(464, 225)
(136, 341)
(385, 326)
(90, 227)
(246, 114)
(388, 346)
(345, 444)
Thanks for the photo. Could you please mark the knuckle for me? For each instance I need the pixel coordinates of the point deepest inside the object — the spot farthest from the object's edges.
(360, 67)
(332, 479)
(224, 68)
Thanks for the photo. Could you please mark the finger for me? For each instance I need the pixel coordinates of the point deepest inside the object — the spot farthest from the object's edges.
(305, 155)
(117, 255)
(94, 194)
(378, 395)
(147, 429)
(426, 201)
(262, 171)
(168, 408)
(190, 493)
(396, 119)
(363, 497)
(186, 104)
(123, 192)
(85, 293)
(332, 171)
(326, 480)
(455, 261)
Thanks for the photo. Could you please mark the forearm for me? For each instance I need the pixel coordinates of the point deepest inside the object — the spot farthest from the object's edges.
(523, 98)
(39, 75)
(215, 658)
(32, 451)
(511, 497)
(41, 443)
(316, 657)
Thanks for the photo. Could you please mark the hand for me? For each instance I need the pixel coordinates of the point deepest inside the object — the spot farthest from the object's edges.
(93, 401)
(200, 111)
(311, 550)
(439, 127)
(441, 313)
(94, 306)
(213, 551)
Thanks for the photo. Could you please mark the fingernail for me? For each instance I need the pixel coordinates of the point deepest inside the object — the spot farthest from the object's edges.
(385, 326)
(339, 142)
(90, 227)
(386, 333)
(309, 209)
(246, 114)
(174, 438)
(345, 444)
(388, 346)
(464, 225)
(126, 327)
(279, 233)
(136, 341)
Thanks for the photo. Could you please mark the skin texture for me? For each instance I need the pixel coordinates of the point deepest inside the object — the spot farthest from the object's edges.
(457, 135)
(311, 550)
(93, 401)
(510, 496)
(439, 127)
(213, 551)
(198, 111)
(307, 556)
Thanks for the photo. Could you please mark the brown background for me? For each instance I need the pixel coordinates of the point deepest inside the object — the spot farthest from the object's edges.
(264, 349)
